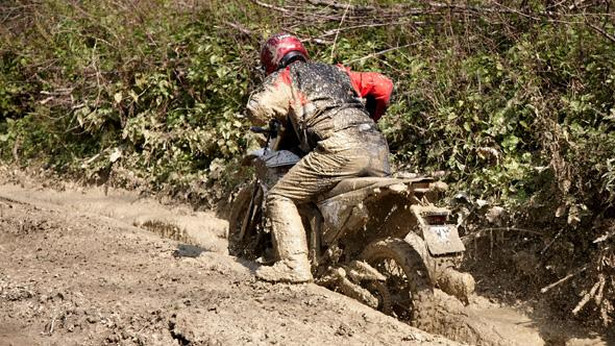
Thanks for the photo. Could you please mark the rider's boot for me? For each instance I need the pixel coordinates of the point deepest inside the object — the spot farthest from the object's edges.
(290, 241)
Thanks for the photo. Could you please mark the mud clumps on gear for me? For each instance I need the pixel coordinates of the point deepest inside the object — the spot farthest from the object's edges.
(333, 127)
(319, 100)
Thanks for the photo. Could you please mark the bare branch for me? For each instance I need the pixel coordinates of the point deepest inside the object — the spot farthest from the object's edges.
(303, 15)
(483, 232)
(586, 298)
(382, 52)
(564, 279)
(240, 28)
(602, 32)
(279, 9)
(336, 5)
(370, 25)
(338, 32)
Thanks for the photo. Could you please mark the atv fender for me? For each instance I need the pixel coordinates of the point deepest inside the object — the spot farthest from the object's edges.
(418, 245)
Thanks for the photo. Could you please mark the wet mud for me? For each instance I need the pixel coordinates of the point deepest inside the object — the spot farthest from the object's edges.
(96, 267)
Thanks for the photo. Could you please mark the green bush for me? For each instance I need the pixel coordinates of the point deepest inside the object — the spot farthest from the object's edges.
(154, 88)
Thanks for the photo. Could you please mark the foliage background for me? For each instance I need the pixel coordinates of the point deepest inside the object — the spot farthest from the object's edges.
(513, 100)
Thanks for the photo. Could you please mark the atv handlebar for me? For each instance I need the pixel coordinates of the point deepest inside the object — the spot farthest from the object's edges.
(258, 129)
(271, 130)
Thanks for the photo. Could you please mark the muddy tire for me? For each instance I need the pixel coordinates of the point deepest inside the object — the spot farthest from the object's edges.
(410, 292)
(246, 209)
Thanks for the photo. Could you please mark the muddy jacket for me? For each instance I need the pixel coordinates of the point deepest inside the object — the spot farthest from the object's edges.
(319, 100)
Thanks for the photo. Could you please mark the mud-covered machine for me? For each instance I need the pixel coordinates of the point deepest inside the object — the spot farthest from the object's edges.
(379, 240)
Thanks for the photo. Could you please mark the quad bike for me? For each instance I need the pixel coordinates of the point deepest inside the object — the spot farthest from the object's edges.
(378, 240)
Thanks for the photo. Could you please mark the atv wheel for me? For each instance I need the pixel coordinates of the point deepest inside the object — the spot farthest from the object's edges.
(409, 292)
(244, 239)
(381, 292)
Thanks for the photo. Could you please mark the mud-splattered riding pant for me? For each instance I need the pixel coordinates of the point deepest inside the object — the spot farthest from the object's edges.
(354, 152)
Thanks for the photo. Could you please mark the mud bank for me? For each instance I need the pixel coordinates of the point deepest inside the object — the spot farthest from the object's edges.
(80, 268)
(91, 266)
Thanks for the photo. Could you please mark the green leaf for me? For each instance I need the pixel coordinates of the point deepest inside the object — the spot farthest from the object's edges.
(510, 142)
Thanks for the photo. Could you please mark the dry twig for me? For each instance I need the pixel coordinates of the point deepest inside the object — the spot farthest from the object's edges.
(562, 280)
(602, 32)
(483, 232)
(338, 31)
(586, 298)
(240, 28)
(381, 52)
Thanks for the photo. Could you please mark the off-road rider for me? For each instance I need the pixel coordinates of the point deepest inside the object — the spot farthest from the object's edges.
(323, 105)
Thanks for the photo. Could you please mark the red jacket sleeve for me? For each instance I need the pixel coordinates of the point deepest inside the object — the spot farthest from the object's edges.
(374, 86)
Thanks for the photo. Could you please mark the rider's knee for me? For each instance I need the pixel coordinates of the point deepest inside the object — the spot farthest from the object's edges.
(274, 197)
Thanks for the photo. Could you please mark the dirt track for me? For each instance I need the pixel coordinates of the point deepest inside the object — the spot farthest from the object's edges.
(87, 268)
(75, 270)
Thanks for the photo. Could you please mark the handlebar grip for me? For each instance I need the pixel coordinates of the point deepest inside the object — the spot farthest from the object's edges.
(258, 129)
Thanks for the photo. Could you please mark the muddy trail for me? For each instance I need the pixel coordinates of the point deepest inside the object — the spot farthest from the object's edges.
(91, 266)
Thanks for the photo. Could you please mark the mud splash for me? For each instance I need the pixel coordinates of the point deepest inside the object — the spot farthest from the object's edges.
(167, 230)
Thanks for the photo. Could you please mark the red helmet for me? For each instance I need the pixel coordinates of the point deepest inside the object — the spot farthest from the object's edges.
(280, 50)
